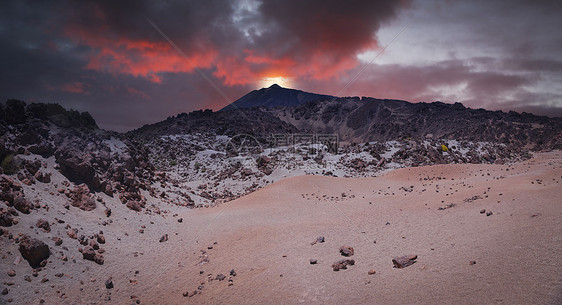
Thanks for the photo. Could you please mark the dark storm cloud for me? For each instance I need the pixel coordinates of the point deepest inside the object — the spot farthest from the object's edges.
(106, 58)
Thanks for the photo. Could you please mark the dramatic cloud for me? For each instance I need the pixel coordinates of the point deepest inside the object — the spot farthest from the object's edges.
(107, 57)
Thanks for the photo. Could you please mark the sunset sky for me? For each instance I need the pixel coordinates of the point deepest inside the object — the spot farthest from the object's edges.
(129, 63)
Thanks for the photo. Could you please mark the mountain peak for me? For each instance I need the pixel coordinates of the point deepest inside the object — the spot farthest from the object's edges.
(279, 96)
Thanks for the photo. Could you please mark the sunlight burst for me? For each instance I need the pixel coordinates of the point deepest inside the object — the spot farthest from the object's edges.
(279, 80)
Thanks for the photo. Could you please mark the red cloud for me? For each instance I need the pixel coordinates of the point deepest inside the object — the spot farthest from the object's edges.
(139, 58)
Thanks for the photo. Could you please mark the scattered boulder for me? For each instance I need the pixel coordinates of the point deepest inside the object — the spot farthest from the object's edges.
(404, 261)
(12, 273)
(33, 250)
(23, 205)
(6, 219)
(346, 251)
(371, 272)
(57, 240)
(43, 224)
(313, 261)
(220, 277)
(164, 238)
(80, 197)
(43, 177)
(88, 253)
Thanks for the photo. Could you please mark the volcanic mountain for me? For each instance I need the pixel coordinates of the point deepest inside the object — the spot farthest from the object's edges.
(274, 96)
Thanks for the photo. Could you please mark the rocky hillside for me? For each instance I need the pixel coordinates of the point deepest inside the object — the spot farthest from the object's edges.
(368, 119)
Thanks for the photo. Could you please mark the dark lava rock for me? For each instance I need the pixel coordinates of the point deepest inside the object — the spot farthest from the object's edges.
(109, 283)
(88, 253)
(404, 261)
(346, 251)
(313, 261)
(33, 250)
(164, 238)
(220, 277)
(489, 213)
(6, 219)
(342, 264)
(232, 272)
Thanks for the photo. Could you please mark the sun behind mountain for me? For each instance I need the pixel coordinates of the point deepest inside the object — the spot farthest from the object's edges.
(282, 81)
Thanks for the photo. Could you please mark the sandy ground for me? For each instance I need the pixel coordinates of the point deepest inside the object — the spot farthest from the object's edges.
(266, 238)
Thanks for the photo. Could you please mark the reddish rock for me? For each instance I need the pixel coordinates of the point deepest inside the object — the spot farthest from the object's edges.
(80, 197)
(72, 233)
(404, 261)
(33, 250)
(346, 251)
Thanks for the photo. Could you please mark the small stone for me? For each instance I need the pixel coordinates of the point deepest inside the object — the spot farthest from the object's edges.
(5, 291)
(482, 211)
(109, 283)
(164, 238)
(371, 272)
(472, 263)
(232, 272)
(489, 213)
(180, 219)
(404, 261)
(12, 273)
(220, 277)
(313, 261)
